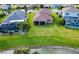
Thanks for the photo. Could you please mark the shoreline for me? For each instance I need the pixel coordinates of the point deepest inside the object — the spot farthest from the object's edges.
(47, 47)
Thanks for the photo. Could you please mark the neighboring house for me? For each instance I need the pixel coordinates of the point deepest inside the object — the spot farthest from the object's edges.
(66, 5)
(30, 11)
(71, 17)
(21, 5)
(10, 23)
(43, 17)
(33, 6)
(47, 5)
(55, 6)
(28, 5)
(6, 8)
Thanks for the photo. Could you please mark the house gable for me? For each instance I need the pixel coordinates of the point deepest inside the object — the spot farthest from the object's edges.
(70, 12)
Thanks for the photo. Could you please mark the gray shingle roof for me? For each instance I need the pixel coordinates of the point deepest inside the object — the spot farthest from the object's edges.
(70, 9)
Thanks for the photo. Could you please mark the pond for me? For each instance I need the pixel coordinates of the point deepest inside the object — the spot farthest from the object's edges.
(49, 50)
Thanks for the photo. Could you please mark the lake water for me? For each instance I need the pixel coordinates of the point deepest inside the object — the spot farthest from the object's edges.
(49, 50)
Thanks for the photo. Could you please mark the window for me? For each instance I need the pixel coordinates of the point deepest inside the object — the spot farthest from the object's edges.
(75, 20)
(67, 13)
(48, 21)
(78, 21)
(77, 14)
(68, 21)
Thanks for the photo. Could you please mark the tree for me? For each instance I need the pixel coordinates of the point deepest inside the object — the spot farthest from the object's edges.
(35, 52)
(60, 7)
(41, 6)
(25, 7)
(23, 26)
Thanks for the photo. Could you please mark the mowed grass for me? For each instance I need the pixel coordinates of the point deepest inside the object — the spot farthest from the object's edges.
(54, 29)
(17, 41)
(49, 35)
(2, 19)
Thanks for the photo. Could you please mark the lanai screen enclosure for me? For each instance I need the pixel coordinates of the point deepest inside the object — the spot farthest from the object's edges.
(10, 23)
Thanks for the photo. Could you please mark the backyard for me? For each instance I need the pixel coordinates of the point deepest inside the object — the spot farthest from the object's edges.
(49, 35)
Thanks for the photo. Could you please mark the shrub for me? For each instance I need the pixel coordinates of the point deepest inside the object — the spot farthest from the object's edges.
(41, 6)
(22, 50)
(2, 15)
(35, 52)
(24, 27)
(62, 23)
(60, 7)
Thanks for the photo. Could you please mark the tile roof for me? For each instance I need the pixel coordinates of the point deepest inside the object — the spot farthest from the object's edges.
(47, 11)
(43, 15)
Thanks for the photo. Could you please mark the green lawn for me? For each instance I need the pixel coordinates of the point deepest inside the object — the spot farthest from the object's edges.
(52, 30)
(49, 35)
(2, 19)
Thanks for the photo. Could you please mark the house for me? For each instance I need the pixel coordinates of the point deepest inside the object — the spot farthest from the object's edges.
(29, 11)
(21, 5)
(47, 5)
(55, 6)
(10, 23)
(32, 6)
(43, 17)
(71, 17)
(66, 5)
(6, 8)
